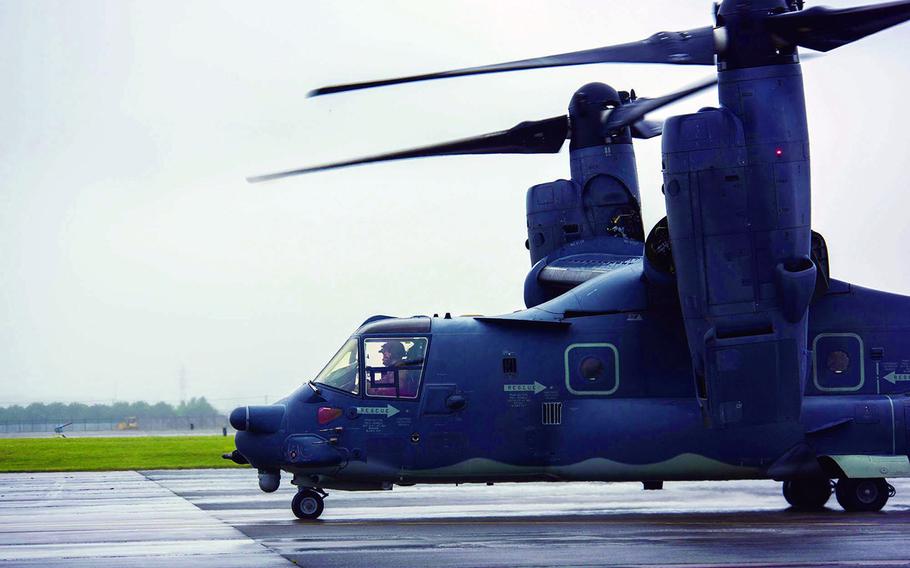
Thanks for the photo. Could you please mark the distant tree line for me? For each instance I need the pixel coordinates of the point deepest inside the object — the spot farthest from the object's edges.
(115, 411)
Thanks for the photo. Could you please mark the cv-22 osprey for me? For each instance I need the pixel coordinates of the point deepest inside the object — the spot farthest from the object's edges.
(717, 348)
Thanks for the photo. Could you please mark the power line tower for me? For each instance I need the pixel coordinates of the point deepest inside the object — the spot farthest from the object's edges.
(182, 383)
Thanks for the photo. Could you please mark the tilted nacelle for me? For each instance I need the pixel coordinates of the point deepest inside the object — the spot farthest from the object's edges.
(737, 195)
(578, 226)
(565, 217)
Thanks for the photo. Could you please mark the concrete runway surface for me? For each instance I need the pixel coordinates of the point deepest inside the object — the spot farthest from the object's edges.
(220, 518)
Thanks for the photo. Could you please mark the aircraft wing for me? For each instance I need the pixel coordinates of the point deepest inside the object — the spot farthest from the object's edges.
(570, 271)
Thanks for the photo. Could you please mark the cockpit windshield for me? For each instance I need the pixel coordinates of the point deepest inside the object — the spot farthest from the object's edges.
(342, 371)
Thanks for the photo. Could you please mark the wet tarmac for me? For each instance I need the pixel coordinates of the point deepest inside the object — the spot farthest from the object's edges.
(220, 518)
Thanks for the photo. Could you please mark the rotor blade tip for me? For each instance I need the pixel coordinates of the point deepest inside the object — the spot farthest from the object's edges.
(330, 90)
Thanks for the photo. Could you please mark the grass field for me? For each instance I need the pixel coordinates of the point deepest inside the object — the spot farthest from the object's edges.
(105, 454)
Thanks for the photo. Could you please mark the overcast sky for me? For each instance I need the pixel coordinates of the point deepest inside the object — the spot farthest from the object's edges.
(132, 247)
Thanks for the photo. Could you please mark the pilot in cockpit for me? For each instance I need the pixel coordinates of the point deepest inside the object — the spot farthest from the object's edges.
(393, 354)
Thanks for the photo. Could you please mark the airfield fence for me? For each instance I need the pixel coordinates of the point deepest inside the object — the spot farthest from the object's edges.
(209, 422)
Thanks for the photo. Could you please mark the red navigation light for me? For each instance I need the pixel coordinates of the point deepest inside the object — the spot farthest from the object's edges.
(326, 414)
(779, 152)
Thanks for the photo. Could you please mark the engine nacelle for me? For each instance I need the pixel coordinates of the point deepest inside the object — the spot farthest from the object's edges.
(738, 212)
(592, 222)
(563, 214)
(594, 213)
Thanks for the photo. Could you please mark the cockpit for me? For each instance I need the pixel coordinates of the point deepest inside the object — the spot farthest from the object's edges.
(380, 367)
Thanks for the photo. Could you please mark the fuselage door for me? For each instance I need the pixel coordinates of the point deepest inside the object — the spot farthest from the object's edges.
(393, 369)
(440, 438)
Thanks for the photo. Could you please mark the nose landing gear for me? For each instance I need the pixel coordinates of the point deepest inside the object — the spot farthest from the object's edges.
(309, 503)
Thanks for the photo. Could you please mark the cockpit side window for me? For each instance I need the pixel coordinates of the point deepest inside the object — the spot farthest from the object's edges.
(342, 371)
(394, 366)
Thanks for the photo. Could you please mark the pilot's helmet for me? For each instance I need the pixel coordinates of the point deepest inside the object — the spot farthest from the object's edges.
(393, 348)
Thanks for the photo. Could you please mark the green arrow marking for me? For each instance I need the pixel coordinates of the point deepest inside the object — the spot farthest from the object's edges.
(388, 411)
(535, 388)
(893, 377)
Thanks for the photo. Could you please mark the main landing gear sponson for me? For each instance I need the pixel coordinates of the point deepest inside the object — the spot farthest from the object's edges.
(807, 494)
(863, 494)
(854, 495)
(308, 504)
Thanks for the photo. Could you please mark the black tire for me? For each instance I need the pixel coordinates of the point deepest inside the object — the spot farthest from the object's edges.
(862, 495)
(308, 504)
(807, 494)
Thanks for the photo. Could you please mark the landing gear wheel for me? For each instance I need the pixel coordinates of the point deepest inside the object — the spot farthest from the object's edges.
(307, 504)
(807, 494)
(863, 494)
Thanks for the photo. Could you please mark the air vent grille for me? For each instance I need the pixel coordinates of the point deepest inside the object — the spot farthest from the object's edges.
(551, 413)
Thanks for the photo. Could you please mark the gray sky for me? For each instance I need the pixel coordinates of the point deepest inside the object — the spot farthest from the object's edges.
(130, 244)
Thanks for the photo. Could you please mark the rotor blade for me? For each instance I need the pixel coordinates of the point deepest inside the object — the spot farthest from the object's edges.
(645, 129)
(824, 29)
(630, 113)
(692, 47)
(535, 137)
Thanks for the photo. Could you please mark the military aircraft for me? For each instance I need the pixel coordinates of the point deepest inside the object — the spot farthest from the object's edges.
(718, 347)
